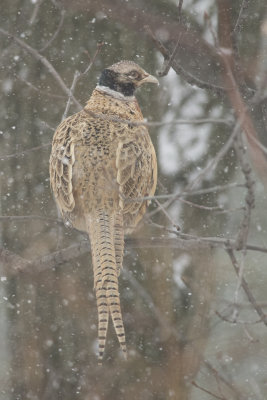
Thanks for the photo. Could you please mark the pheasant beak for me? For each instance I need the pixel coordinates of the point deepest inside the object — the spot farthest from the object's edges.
(149, 79)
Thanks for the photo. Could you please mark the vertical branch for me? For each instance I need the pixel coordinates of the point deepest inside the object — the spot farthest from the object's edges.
(242, 237)
(240, 18)
(77, 76)
(233, 71)
(245, 286)
(180, 5)
(72, 88)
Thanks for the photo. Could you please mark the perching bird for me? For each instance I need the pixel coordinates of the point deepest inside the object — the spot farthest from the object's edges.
(102, 162)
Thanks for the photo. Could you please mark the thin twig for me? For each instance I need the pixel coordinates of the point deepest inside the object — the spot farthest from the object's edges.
(45, 62)
(245, 286)
(212, 31)
(36, 89)
(238, 24)
(249, 336)
(189, 78)
(115, 119)
(176, 226)
(200, 206)
(74, 82)
(172, 197)
(229, 210)
(191, 122)
(242, 235)
(243, 115)
(212, 241)
(161, 318)
(180, 5)
(234, 321)
(98, 49)
(250, 197)
(207, 391)
(213, 189)
(168, 61)
(258, 143)
(225, 381)
(77, 76)
(62, 16)
(35, 11)
(145, 123)
(30, 217)
(57, 258)
(211, 165)
(23, 152)
(207, 169)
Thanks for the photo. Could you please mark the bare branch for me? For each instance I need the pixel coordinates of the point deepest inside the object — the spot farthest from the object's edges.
(174, 196)
(211, 165)
(245, 286)
(36, 89)
(161, 318)
(115, 119)
(202, 240)
(29, 218)
(189, 78)
(76, 78)
(14, 263)
(177, 197)
(176, 226)
(200, 206)
(258, 143)
(62, 16)
(45, 62)
(168, 61)
(189, 122)
(240, 18)
(98, 49)
(225, 381)
(243, 116)
(23, 152)
(250, 197)
(35, 11)
(72, 88)
(180, 5)
(207, 391)
(145, 123)
(213, 189)
(234, 321)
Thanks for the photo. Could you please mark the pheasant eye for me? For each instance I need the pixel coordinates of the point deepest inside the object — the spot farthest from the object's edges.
(134, 75)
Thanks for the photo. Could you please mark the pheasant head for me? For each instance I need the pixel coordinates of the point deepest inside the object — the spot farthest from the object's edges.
(125, 77)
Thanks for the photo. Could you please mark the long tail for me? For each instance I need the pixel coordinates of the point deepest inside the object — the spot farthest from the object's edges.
(106, 235)
(119, 241)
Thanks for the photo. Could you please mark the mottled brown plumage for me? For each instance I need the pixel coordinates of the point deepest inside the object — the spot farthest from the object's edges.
(98, 162)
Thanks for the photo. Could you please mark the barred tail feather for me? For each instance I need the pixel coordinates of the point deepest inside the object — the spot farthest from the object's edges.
(102, 229)
(119, 241)
(101, 299)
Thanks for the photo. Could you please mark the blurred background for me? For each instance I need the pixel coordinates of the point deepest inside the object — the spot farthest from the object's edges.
(194, 311)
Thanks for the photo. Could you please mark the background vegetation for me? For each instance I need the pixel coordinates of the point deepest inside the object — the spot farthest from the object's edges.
(193, 298)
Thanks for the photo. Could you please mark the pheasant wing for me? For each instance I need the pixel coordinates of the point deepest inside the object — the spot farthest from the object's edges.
(136, 175)
(61, 166)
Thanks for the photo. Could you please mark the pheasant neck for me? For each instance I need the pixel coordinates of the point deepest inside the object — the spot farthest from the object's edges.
(103, 101)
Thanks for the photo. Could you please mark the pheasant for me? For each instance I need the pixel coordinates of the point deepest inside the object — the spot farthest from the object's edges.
(102, 164)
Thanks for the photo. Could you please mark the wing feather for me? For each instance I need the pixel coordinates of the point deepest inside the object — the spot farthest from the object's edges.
(61, 167)
(136, 174)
